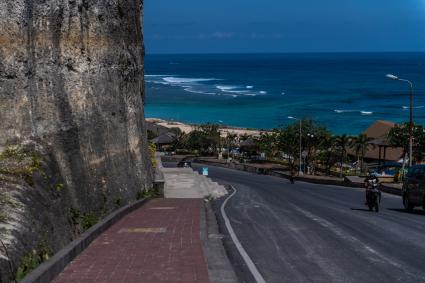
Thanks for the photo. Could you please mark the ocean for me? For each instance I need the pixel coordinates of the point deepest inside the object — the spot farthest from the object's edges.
(345, 92)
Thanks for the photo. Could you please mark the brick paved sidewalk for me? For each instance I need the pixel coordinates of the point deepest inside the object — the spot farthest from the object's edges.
(159, 242)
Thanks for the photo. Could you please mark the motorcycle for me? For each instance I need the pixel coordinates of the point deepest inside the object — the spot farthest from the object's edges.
(373, 195)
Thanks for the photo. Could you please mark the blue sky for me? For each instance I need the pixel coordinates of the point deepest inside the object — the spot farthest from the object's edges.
(251, 26)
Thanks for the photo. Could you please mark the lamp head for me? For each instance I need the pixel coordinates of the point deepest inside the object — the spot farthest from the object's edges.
(392, 77)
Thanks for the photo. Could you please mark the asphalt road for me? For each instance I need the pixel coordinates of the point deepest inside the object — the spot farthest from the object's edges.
(313, 233)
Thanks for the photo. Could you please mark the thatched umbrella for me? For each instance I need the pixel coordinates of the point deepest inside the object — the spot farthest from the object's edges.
(164, 139)
(249, 146)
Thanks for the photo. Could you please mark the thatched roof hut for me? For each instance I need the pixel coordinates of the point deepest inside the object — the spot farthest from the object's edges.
(156, 129)
(249, 145)
(380, 149)
(164, 139)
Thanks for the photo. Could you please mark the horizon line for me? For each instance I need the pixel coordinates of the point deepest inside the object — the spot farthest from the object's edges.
(286, 52)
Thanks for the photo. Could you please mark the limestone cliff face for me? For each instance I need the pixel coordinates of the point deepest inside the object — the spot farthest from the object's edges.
(71, 91)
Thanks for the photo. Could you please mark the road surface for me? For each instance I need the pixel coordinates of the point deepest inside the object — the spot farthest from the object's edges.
(314, 233)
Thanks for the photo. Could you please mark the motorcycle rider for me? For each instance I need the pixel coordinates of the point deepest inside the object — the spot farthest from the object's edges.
(371, 178)
(292, 176)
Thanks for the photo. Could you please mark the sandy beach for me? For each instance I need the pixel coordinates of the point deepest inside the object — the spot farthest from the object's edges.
(187, 128)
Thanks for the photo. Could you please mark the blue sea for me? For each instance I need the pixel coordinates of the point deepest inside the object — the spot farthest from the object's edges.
(345, 92)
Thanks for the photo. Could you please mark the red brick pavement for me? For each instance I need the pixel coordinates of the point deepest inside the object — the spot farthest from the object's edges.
(159, 242)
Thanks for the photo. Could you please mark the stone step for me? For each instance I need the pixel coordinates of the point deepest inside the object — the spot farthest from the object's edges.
(212, 187)
(187, 183)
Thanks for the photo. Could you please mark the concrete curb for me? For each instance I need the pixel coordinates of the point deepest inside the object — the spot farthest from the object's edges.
(220, 270)
(159, 182)
(48, 270)
(390, 190)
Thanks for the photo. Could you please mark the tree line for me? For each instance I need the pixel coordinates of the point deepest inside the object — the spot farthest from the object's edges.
(319, 147)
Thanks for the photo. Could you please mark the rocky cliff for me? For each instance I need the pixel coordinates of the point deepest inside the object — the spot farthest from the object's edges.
(72, 127)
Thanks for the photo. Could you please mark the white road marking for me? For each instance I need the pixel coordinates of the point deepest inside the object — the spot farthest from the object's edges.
(373, 254)
(251, 266)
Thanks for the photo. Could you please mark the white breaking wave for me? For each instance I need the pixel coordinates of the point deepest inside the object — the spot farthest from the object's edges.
(226, 88)
(157, 82)
(192, 90)
(344, 111)
(414, 107)
(234, 89)
(353, 111)
(238, 91)
(176, 80)
(200, 85)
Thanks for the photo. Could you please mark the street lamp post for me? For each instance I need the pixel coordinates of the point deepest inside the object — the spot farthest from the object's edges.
(393, 77)
(300, 172)
(311, 136)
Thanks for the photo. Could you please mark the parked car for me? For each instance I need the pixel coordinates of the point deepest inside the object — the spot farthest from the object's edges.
(414, 187)
(184, 164)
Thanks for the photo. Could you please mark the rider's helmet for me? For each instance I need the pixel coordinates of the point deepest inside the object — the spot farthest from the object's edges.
(372, 174)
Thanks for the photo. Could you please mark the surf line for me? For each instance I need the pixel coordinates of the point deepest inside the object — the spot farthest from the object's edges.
(251, 266)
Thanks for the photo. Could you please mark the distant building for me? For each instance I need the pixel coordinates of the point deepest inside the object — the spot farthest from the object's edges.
(380, 150)
(164, 139)
(156, 129)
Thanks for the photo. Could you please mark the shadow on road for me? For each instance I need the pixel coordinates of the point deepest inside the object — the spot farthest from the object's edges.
(402, 210)
(360, 209)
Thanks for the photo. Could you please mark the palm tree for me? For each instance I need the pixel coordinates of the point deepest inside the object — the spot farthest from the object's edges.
(361, 145)
(243, 137)
(341, 142)
(267, 143)
(230, 141)
(327, 152)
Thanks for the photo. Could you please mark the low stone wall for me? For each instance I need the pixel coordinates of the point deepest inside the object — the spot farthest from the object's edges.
(309, 179)
(159, 182)
(175, 158)
(273, 172)
(48, 270)
(313, 179)
(237, 166)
